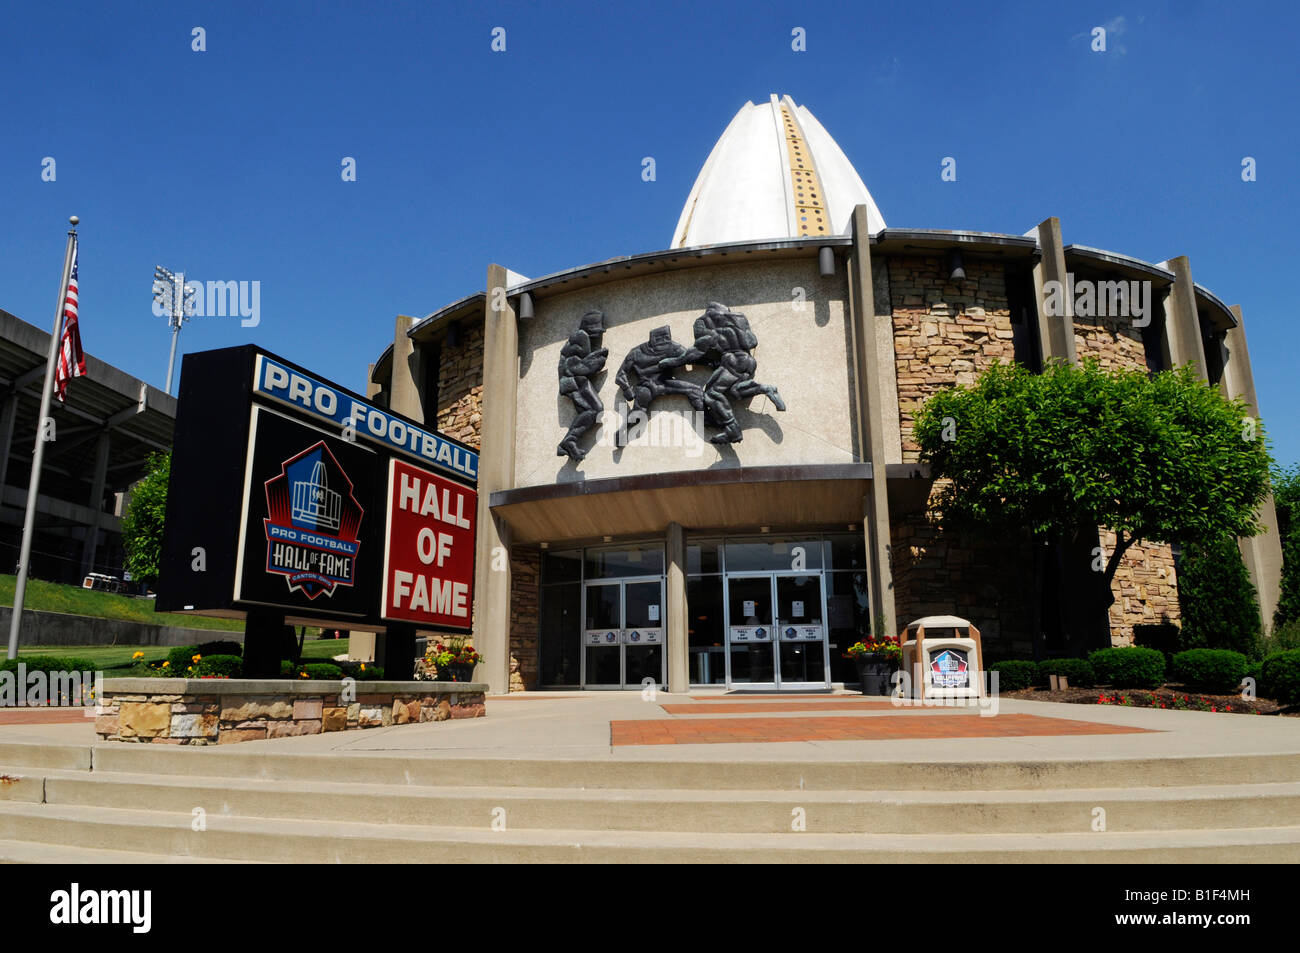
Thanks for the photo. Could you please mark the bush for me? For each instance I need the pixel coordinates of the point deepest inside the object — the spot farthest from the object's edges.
(1255, 670)
(1130, 667)
(1219, 606)
(230, 666)
(1281, 677)
(325, 670)
(225, 647)
(49, 663)
(1077, 670)
(361, 671)
(1015, 674)
(1283, 638)
(1210, 670)
(179, 659)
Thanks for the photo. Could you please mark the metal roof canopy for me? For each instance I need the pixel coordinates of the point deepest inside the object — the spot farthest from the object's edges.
(139, 417)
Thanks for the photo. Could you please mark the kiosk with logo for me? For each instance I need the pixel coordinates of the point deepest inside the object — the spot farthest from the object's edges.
(942, 656)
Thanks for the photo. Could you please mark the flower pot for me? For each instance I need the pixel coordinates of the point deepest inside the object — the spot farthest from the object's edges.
(874, 673)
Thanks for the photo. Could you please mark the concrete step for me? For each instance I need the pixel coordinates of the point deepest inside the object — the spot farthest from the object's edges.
(30, 852)
(310, 841)
(1201, 807)
(405, 768)
(18, 754)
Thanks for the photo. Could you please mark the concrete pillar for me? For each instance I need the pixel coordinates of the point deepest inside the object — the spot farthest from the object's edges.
(1263, 553)
(90, 547)
(371, 387)
(676, 618)
(405, 393)
(8, 414)
(361, 645)
(496, 471)
(874, 421)
(1055, 331)
(1182, 324)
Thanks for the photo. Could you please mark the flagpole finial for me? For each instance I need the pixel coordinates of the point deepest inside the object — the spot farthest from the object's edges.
(74, 221)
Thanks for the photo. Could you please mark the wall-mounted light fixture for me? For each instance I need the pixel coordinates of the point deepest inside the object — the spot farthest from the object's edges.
(453, 334)
(525, 306)
(826, 261)
(955, 270)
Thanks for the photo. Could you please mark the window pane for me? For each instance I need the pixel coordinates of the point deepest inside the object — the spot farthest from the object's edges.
(848, 617)
(702, 557)
(846, 551)
(705, 632)
(780, 555)
(625, 561)
(561, 633)
(562, 567)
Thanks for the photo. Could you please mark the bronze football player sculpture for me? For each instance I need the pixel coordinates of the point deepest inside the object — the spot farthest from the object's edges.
(724, 340)
(653, 379)
(581, 359)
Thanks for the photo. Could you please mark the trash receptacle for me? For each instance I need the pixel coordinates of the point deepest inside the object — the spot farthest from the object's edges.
(943, 658)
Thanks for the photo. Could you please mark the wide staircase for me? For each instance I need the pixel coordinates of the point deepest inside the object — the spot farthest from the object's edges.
(123, 803)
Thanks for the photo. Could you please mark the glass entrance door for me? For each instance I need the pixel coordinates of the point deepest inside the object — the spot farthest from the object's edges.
(776, 633)
(623, 640)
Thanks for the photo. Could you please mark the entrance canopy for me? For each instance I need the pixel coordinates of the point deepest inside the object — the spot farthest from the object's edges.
(738, 498)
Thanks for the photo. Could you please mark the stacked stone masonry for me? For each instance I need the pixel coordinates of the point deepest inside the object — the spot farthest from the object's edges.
(189, 714)
(460, 386)
(525, 649)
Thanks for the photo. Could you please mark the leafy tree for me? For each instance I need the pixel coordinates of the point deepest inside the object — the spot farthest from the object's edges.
(1161, 458)
(1286, 498)
(142, 526)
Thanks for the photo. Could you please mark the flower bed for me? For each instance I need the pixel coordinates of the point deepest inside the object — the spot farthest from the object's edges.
(206, 711)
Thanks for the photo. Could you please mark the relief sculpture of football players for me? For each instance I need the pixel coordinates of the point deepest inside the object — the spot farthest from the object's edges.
(723, 340)
(581, 359)
(653, 379)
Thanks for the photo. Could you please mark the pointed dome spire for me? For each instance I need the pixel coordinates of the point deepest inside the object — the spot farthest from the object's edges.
(776, 173)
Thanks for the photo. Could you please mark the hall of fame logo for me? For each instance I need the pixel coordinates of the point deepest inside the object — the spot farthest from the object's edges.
(311, 530)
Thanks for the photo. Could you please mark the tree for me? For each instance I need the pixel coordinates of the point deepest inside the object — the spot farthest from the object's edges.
(1220, 609)
(142, 526)
(1286, 499)
(1162, 458)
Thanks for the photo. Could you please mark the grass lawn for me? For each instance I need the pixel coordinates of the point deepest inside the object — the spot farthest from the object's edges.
(56, 597)
(114, 656)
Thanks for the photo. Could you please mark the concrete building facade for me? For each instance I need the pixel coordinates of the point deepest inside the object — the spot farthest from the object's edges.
(666, 549)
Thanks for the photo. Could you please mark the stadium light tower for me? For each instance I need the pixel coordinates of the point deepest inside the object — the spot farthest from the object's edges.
(169, 290)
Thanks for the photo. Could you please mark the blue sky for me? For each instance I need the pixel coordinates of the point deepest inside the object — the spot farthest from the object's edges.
(226, 163)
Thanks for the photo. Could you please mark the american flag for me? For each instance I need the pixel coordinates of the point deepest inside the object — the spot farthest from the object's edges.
(72, 363)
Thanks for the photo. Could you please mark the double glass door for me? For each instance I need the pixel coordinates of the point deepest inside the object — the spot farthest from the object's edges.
(623, 637)
(776, 632)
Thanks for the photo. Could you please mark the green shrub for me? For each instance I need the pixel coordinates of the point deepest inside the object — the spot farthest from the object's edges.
(1255, 670)
(231, 666)
(288, 669)
(1076, 670)
(326, 670)
(361, 671)
(1283, 638)
(179, 658)
(49, 663)
(1015, 674)
(1130, 667)
(1220, 609)
(224, 647)
(1281, 677)
(1210, 670)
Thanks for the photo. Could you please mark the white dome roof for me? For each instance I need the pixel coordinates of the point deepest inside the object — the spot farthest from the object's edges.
(774, 174)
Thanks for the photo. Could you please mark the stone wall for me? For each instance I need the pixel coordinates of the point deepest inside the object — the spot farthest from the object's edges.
(183, 711)
(460, 386)
(1113, 341)
(525, 625)
(1145, 588)
(945, 332)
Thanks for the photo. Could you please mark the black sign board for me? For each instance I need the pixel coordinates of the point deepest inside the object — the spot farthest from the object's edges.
(280, 493)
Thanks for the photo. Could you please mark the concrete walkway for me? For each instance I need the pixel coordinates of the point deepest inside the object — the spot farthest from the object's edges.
(554, 726)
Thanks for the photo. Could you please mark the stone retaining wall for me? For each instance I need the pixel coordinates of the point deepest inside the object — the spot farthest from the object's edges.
(183, 711)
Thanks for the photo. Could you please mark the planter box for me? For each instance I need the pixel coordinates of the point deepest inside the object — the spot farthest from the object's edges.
(208, 711)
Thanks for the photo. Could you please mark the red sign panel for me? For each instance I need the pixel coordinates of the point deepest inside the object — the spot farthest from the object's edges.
(429, 556)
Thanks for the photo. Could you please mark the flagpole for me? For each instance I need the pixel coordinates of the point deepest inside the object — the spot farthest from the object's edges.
(38, 453)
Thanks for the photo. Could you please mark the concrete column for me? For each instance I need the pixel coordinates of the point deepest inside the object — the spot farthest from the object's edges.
(371, 387)
(8, 415)
(90, 547)
(1263, 553)
(405, 393)
(496, 471)
(1182, 324)
(676, 618)
(1055, 331)
(873, 421)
